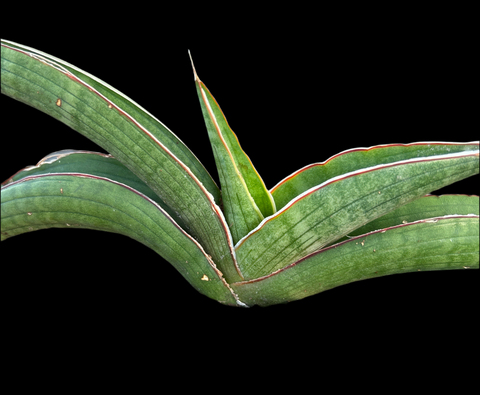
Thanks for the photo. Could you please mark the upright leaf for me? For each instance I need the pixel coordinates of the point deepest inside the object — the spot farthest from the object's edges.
(246, 200)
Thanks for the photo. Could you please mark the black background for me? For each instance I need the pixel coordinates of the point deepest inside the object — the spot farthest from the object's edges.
(292, 100)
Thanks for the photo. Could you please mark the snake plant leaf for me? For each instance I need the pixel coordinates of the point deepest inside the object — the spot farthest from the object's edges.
(355, 159)
(246, 200)
(334, 208)
(445, 243)
(80, 200)
(93, 163)
(127, 132)
(429, 206)
(361, 214)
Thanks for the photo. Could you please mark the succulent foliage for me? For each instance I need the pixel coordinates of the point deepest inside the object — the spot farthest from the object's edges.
(363, 213)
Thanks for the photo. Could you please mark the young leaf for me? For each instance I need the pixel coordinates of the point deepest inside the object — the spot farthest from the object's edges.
(246, 200)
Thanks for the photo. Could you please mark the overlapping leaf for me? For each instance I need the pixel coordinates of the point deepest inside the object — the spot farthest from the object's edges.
(331, 210)
(92, 163)
(81, 200)
(430, 206)
(130, 134)
(355, 159)
(158, 193)
(444, 243)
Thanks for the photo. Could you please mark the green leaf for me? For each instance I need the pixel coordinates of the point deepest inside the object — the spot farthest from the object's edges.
(434, 244)
(79, 200)
(92, 163)
(333, 209)
(246, 200)
(429, 206)
(355, 159)
(130, 134)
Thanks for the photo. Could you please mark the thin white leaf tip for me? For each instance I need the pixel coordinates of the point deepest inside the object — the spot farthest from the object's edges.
(193, 67)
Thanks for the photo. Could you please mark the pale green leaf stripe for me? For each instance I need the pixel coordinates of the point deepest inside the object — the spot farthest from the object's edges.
(355, 159)
(436, 244)
(219, 128)
(43, 83)
(333, 209)
(91, 202)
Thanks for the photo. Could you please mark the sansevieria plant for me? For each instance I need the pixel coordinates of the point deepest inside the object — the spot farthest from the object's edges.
(363, 213)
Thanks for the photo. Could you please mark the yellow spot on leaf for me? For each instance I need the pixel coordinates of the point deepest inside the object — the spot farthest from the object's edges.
(59, 102)
(205, 278)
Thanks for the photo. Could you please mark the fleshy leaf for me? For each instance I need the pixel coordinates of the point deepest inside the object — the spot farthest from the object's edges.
(443, 243)
(333, 209)
(429, 206)
(93, 163)
(130, 134)
(246, 200)
(80, 200)
(355, 159)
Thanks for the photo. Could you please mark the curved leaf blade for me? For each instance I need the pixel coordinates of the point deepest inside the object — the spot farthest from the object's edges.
(246, 200)
(57, 88)
(93, 163)
(79, 200)
(429, 206)
(355, 159)
(445, 243)
(333, 209)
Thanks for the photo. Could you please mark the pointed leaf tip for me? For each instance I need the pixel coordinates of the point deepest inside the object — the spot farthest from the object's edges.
(193, 67)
